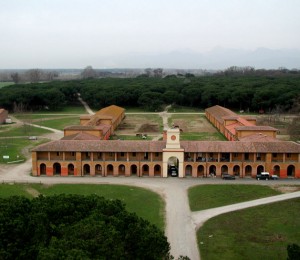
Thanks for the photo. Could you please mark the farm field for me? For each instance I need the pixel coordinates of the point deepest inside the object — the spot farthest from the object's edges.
(140, 123)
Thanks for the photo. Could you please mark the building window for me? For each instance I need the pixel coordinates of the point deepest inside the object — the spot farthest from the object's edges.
(58, 153)
(73, 153)
(274, 155)
(288, 155)
(134, 154)
(235, 155)
(122, 154)
(146, 156)
(246, 156)
(110, 154)
(99, 155)
(156, 154)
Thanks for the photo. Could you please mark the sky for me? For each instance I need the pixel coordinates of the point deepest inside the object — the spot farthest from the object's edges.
(78, 33)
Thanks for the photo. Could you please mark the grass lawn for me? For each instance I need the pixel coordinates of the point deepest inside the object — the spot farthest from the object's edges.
(202, 136)
(75, 109)
(24, 130)
(4, 84)
(29, 117)
(16, 147)
(61, 123)
(261, 232)
(212, 196)
(7, 190)
(181, 109)
(135, 110)
(143, 202)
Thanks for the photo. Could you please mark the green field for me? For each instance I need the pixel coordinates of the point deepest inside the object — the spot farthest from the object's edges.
(17, 148)
(261, 232)
(144, 203)
(211, 196)
(181, 109)
(24, 130)
(202, 136)
(60, 123)
(4, 84)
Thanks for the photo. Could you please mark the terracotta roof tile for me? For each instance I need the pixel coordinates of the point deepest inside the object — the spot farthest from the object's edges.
(80, 136)
(158, 146)
(258, 138)
(255, 128)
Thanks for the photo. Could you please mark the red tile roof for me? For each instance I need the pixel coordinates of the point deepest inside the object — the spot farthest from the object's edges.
(219, 112)
(255, 128)
(80, 136)
(258, 138)
(158, 146)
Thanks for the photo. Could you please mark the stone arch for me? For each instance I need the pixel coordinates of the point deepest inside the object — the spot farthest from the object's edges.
(43, 169)
(121, 169)
(98, 169)
(56, 168)
(224, 169)
(276, 170)
(291, 171)
(145, 170)
(260, 169)
(188, 170)
(212, 170)
(86, 169)
(236, 170)
(110, 169)
(200, 171)
(157, 170)
(248, 171)
(71, 169)
(173, 164)
(133, 170)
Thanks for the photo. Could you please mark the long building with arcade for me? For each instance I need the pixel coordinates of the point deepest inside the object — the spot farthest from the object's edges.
(84, 150)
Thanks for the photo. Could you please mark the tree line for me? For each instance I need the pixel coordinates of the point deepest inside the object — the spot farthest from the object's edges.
(76, 227)
(249, 92)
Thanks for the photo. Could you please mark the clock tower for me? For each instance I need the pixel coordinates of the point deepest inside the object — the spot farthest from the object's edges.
(173, 151)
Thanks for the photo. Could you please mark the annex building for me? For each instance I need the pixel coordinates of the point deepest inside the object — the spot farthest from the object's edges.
(84, 153)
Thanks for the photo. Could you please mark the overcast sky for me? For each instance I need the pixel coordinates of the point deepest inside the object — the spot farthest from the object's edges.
(77, 33)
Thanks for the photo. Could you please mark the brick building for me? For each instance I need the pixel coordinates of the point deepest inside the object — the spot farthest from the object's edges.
(235, 127)
(84, 155)
(3, 115)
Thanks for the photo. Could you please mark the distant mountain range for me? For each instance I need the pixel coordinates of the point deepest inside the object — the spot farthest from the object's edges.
(216, 59)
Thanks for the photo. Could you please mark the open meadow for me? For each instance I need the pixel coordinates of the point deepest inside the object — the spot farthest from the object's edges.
(143, 202)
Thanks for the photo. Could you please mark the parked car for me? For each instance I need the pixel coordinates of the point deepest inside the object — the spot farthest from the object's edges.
(227, 176)
(274, 177)
(263, 176)
(173, 171)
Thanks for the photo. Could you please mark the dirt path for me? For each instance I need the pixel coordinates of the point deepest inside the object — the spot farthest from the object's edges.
(86, 106)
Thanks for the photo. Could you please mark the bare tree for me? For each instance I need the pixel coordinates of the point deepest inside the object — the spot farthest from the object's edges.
(15, 77)
(158, 73)
(34, 75)
(148, 72)
(89, 72)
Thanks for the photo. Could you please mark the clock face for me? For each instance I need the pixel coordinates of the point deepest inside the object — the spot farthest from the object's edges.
(173, 137)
